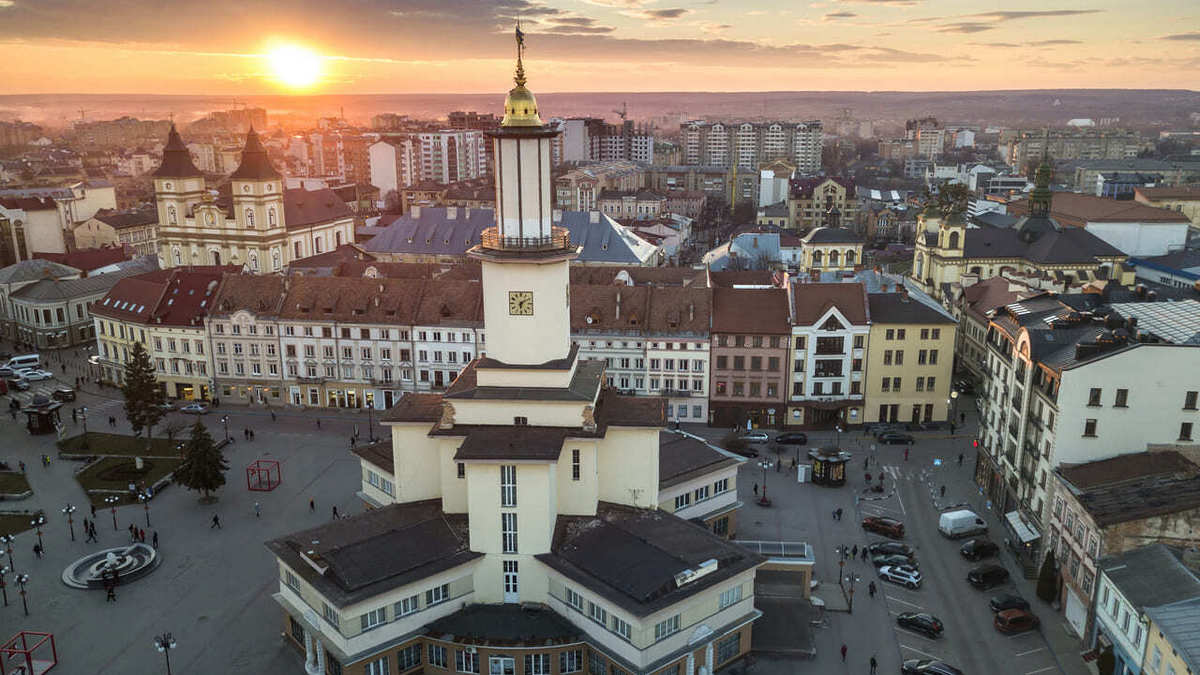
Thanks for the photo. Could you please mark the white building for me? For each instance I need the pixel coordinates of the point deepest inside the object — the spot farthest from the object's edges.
(394, 164)
(452, 155)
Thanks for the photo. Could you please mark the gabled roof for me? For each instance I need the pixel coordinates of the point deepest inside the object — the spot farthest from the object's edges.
(1068, 245)
(180, 296)
(260, 294)
(1134, 486)
(70, 289)
(900, 308)
(682, 458)
(415, 407)
(120, 220)
(89, 259)
(812, 301)
(832, 235)
(255, 163)
(451, 303)
(1180, 624)
(353, 299)
(302, 208)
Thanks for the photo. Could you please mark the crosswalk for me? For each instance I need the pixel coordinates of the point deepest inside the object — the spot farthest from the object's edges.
(897, 472)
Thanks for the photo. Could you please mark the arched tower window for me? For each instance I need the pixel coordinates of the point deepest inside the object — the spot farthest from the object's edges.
(953, 240)
(172, 215)
(817, 258)
(254, 262)
(920, 268)
(275, 264)
(270, 217)
(216, 257)
(178, 257)
(849, 257)
(833, 258)
(250, 218)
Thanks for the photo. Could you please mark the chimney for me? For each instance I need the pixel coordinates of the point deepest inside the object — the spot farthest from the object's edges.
(618, 305)
(451, 213)
(593, 217)
(416, 212)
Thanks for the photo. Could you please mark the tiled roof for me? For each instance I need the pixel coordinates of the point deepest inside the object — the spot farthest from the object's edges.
(763, 311)
(331, 259)
(120, 220)
(302, 208)
(900, 308)
(132, 299)
(682, 458)
(1068, 245)
(32, 270)
(450, 303)
(657, 276)
(1134, 486)
(379, 454)
(812, 301)
(353, 299)
(1077, 210)
(29, 203)
(89, 259)
(260, 294)
(832, 235)
(510, 442)
(983, 297)
(1181, 192)
(733, 278)
(609, 308)
(415, 407)
(1127, 467)
(180, 296)
(70, 289)
(631, 557)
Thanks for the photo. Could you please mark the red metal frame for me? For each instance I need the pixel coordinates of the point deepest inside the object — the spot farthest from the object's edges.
(261, 476)
(28, 664)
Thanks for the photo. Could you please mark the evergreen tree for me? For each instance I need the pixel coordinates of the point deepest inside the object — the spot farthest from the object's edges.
(143, 397)
(1047, 585)
(204, 466)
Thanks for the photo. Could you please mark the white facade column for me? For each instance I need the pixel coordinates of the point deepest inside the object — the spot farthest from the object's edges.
(320, 657)
(708, 657)
(690, 668)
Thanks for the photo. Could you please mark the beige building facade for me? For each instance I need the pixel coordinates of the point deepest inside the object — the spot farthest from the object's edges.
(910, 360)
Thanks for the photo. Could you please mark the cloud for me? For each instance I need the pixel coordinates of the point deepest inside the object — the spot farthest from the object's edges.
(994, 44)
(1048, 43)
(577, 30)
(659, 14)
(894, 3)
(1195, 35)
(1012, 15)
(964, 27)
(834, 16)
(713, 28)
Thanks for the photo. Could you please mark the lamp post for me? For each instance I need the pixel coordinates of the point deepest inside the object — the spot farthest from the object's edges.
(83, 416)
(145, 500)
(764, 465)
(8, 540)
(4, 586)
(164, 644)
(953, 402)
(225, 421)
(370, 422)
(69, 509)
(112, 504)
(38, 523)
(838, 442)
(21, 580)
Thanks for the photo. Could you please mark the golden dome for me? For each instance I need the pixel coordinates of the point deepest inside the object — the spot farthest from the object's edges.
(520, 109)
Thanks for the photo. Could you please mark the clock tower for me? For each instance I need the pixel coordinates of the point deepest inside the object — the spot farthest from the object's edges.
(525, 258)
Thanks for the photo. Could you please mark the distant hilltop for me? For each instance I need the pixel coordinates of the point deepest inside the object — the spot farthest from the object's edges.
(1134, 107)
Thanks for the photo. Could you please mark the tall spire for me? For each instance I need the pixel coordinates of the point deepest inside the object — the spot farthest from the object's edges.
(177, 161)
(520, 75)
(520, 107)
(255, 163)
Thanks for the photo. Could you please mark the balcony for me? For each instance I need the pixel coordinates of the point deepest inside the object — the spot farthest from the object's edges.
(558, 240)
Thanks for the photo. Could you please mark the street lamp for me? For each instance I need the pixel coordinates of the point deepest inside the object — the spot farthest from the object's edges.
(838, 442)
(68, 509)
(38, 523)
(953, 402)
(164, 644)
(112, 504)
(8, 540)
(764, 465)
(83, 413)
(225, 421)
(21, 580)
(145, 500)
(370, 422)
(3, 586)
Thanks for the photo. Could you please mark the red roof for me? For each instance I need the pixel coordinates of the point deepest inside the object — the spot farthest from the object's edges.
(179, 296)
(812, 301)
(89, 259)
(750, 310)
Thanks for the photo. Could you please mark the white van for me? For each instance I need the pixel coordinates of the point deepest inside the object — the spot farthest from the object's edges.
(24, 361)
(961, 523)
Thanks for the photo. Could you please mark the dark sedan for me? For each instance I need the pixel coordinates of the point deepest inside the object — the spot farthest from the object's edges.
(927, 624)
(928, 667)
(893, 559)
(1004, 601)
(895, 437)
(792, 438)
(978, 549)
(891, 548)
(888, 527)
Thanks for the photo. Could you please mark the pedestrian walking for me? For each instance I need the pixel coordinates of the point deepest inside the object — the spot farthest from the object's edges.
(335, 513)
(37, 550)
(312, 505)
(141, 535)
(854, 551)
(865, 553)
(74, 416)
(874, 664)
(962, 418)
(112, 596)
(251, 434)
(835, 514)
(906, 454)
(871, 589)
(318, 422)
(131, 534)
(353, 438)
(93, 505)
(156, 539)
(91, 533)
(257, 510)
(272, 415)
(216, 522)
(246, 433)
(952, 428)
(943, 490)
(839, 513)
(756, 488)
(866, 463)
(86, 523)
(843, 652)
(960, 459)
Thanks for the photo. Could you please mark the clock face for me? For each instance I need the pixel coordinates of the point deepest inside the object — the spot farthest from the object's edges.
(520, 303)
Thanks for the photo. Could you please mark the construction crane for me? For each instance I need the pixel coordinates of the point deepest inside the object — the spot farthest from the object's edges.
(83, 112)
(623, 112)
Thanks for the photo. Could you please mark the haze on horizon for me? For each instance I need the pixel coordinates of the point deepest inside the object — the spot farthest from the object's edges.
(230, 47)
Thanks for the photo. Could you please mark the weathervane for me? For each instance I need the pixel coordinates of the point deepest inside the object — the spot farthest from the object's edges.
(520, 77)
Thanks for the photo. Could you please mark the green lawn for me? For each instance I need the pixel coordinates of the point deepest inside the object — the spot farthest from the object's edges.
(116, 473)
(13, 483)
(13, 523)
(118, 445)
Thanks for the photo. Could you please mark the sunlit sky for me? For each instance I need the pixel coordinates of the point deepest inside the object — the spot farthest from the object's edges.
(443, 46)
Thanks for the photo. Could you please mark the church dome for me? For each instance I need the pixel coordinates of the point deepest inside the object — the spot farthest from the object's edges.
(520, 108)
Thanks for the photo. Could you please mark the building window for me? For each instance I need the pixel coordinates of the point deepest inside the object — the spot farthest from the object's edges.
(729, 648)
(377, 667)
(574, 599)
(537, 664)
(437, 595)
(1089, 427)
(666, 628)
(596, 663)
(437, 656)
(373, 618)
(597, 614)
(1185, 431)
(462, 470)
(508, 485)
(508, 532)
(1189, 400)
(683, 500)
(730, 597)
(406, 606)
(621, 628)
(575, 465)
(465, 662)
(1122, 398)
(570, 662)
(701, 493)
(1094, 397)
(330, 614)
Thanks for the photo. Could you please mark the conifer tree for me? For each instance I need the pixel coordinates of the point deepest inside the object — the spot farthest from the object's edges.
(204, 465)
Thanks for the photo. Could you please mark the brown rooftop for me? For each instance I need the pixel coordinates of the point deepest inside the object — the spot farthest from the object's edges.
(812, 301)
(415, 407)
(750, 310)
(1077, 210)
(1127, 467)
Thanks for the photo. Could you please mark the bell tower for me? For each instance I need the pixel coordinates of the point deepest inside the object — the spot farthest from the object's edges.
(178, 186)
(526, 295)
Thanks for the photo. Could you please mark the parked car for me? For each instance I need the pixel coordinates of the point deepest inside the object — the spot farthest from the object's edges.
(928, 667)
(745, 452)
(978, 549)
(879, 428)
(63, 394)
(167, 406)
(888, 527)
(755, 437)
(1004, 601)
(964, 387)
(20, 384)
(923, 426)
(1015, 621)
(198, 408)
(893, 559)
(926, 624)
(34, 374)
(895, 437)
(987, 576)
(792, 438)
(7, 373)
(891, 548)
(904, 575)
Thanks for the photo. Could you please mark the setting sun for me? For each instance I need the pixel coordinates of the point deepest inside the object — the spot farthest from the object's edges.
(295, 66)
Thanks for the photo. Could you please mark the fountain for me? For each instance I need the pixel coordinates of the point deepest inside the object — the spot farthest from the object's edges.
(124, 563)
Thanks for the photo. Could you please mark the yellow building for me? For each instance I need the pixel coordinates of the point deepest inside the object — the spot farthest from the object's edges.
(810, 201)
(258, 224)
(509, 509)
(910, 360)
(1183, 199)
(1173, 639)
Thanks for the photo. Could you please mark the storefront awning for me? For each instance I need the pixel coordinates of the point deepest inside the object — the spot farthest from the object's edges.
(1024, 532)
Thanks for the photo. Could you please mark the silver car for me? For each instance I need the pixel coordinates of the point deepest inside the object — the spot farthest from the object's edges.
(901, 574)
